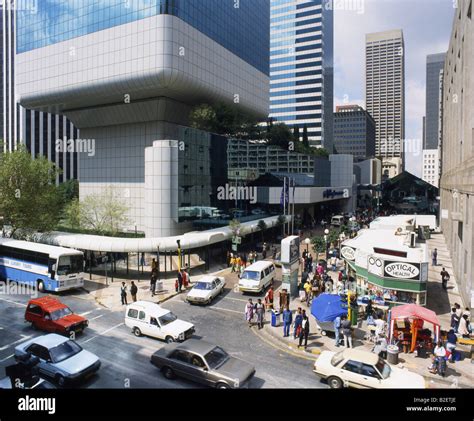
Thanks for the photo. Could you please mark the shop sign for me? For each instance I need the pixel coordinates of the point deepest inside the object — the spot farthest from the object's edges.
(348, 252)
(290, 249)
(402, 270)
(375, 265)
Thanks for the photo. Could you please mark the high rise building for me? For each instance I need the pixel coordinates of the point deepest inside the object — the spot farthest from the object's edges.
(301, 68)
(434, 69)
(128, 75)
(39, 131)
(354, 132)
(385, 96)
(430, 169)
(457, 163)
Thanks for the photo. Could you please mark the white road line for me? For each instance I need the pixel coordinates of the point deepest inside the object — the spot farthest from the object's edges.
(24, 338)
(103, 333)
(13, 302)
(7, 358)
(96, 317)
(86, 313)
(225, 309)
(234, 299)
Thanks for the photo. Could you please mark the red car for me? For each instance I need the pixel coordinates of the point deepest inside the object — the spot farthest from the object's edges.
(49, 314)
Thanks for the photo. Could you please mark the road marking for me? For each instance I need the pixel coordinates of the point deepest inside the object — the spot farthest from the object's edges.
(13, 302)
(234, 299)
(7, 358)
(96, 317)
(225, 309)
(23, 338)
(103, 333)
(86, 313)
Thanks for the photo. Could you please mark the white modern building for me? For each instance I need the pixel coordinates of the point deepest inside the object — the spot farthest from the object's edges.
(385, 96)
(128, 74)
(431, 166)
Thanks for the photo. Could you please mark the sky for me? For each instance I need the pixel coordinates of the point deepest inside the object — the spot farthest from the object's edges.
(426, 26)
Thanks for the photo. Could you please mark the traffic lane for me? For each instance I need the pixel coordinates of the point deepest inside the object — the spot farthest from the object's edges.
(227, 327)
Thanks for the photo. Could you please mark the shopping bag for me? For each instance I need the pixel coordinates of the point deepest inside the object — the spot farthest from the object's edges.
(302, 295)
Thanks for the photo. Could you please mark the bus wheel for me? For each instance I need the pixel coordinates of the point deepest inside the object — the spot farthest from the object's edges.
(40, 286)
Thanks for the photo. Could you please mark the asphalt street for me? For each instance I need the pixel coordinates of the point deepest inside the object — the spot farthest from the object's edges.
(126, 358)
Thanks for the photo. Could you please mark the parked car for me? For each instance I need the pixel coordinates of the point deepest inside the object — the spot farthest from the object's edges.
(363, 369)
(205, 290)
(204, 363)
(61, 359)
(337, 220)
(257, 276)
(150, 319)
(49, 314)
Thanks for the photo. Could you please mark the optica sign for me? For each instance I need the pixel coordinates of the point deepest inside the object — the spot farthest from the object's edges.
(402, 270)
(348, 253)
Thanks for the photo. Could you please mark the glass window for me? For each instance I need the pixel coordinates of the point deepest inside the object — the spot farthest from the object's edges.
(167, 318)
(353, 366)
(133, 313)
(141, 315)
(216, 357)
(59, 314)
(181, 356)
(35, 309)
(64, 351)
(70, 264)
(369, 370)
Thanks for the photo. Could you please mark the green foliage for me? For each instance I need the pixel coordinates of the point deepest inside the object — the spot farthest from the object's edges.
(234, 226)
(280, 135)
(29, 199)
(281, 220)
(73, 214)
(203, 117)
(333, 237)
(69, 190)
(262, 226)
(296, 133)
(319, 244)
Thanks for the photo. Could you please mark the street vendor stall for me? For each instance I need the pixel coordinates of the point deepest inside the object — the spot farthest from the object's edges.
(325, 308)
(407, 326)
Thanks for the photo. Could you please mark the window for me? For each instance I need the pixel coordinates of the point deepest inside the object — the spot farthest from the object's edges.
(153, 321)
(369, 370)
(132, 313)
(197, 361)
(38, 351)
(353, 366)
(141, 315)
(35, 309)
(181, 356)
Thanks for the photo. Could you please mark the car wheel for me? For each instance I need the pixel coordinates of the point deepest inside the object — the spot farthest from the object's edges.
(40, 286)
(222, 386)
(168, 373)
(60, 380)
(137, 332)
(335, 382)
(169, 340)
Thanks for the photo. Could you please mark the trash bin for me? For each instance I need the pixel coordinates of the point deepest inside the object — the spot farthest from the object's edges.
(392, 354)
(159, 286)
(275, 318)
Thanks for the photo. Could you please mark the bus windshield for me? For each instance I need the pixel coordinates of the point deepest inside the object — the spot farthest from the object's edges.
(251, 274)
(70, 264)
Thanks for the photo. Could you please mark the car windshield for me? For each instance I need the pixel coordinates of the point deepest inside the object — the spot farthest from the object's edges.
(251, 274)
(64, 351)
(203, 285)
(216, 357)
(383, 368)
(58, 314)
(337, 358)
(70, 264)
(167, 318)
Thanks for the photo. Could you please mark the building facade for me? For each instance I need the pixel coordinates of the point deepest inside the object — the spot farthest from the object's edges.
(431, 166)
(39, 131)
(128, 74)
(434, 70)
(354, 132)
(385, 96)
(457, 173)
(301, 68)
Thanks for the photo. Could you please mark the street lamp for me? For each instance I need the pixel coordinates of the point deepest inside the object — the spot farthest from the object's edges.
(179, 254)
(326, 233)
(307, 242)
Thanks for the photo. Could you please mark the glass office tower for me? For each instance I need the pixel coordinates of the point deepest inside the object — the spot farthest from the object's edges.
(301, 68)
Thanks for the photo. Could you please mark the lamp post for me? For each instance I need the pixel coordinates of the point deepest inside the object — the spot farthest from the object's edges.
(307, 242)
(326, 233)
(179, 255)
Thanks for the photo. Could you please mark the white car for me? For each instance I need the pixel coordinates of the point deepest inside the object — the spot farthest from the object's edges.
(150, 319)
(363, 369)
(205, 290)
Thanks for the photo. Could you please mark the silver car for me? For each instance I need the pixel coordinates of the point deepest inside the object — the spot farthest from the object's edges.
(61, 359)
(204, 363)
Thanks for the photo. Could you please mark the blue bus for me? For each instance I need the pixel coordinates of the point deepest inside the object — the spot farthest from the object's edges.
(47, 268)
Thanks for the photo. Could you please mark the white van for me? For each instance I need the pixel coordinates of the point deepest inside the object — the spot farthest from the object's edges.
(147, 318)
(337, 220)
(257, 276)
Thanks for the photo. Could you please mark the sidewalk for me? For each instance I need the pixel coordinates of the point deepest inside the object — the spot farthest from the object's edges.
(459, 374)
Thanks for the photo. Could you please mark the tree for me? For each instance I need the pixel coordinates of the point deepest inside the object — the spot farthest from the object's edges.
(279, 135)
(281, 221)
(69, 190)
(305, 136)
(262, 226)
(73, 214)
(234, 226)
(203, 117)
(296, 133)
(29, 199)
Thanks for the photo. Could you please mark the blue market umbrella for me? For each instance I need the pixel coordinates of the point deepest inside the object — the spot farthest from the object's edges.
(326, 307)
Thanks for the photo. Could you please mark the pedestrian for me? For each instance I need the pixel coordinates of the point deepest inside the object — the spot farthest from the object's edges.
(434, 257)
(334, 263)
(249, 309)
(264, 251)
(274, 255)
(337, 329)
(133, 291)
(455, 319)
(154, 265)
(380, 347)
(304, 330)
(369, 310)
(142, 260)
(458, 310)
(444, 278)
(308, 288)
(467, 312)
(185, 278)
(287, 320)
(180, 280)
(123, 294)
(153, 280)
(452, 339)
(232, 262)
(269, 298)
(346, 327)
(464, 327)
(298, 321)
(260, 313)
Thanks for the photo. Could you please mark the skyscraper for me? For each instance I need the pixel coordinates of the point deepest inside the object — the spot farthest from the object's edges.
(385, 96)
(434, 69)
(39, 131)
(128, 75)
(301, 67)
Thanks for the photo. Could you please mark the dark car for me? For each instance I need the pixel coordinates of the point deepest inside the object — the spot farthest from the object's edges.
(204, 363)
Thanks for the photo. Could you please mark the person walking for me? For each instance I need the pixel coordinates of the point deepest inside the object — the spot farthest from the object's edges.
(298, 321)
(260, 312)
(180, 280)
(269, 298)
(434, 257)
(249, 311)
(264, 251)
(123, 294)
(304, 330)
(287, 320)
(153, 280)
(154, 265)
(455, 319)
(346, 327)
(464, 327)
(337, 329)
(452, 340)
(444, 278)
(134, 291)
(142, 260)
